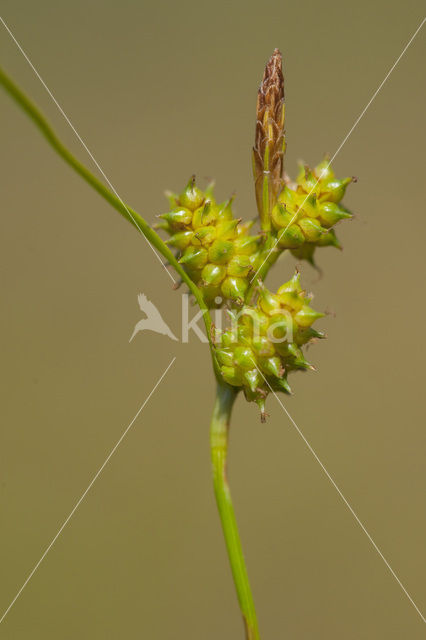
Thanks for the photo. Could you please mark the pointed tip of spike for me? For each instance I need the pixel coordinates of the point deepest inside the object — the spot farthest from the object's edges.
(284, 386)
(261, 404)
(318, 335)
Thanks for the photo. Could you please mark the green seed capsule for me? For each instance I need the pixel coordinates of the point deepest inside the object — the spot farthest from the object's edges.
(178, 218)
(272, 366)
(335, 190)
(303, 335)
(290, 238)
(234, 288)
(310, 206)
(289, 198)
(281, 217)
(323, 171)
(224, 210)
(229, 339)
(244, 336)
(282, 350)
(281, 327)
(307, 316)
(298, 357)
(331, 213)
(204, 215)
(226, 230)
(312, 230)
(194, 257)
(244, 358)
(205, 235)
(224, 357)
(221, 251)
(329, 239)
(246, 245)
(253, 379)
(244, 227)
(269, 303)
(213, 274)
(307, 179)
(211, 294)
(192, 197)
(263, 347)
(292, 285)
(180, 240)
(292, 300)
(231, 376)
(281, 384)
(239, 266)
(255, 320)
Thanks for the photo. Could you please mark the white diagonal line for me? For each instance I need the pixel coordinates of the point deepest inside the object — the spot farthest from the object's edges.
(343, 497)
(339, 148)
(95, 162)
(84, 494)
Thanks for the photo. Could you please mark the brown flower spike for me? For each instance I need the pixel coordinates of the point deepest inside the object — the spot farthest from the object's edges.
(268, 150)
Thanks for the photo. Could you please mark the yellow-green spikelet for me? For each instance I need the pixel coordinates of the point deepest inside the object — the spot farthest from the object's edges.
(215, 248)
(307, 210)
(265, 342)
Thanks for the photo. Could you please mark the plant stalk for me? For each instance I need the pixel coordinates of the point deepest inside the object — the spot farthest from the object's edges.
(127, 212)
(219, 434)
(268, 256)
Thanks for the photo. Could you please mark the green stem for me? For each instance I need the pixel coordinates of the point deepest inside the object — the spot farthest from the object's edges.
(219, 432)
(267, 258)
(127, 212)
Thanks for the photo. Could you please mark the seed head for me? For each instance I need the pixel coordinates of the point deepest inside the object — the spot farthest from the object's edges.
(265, 341)
(217, 251)
(306, 213)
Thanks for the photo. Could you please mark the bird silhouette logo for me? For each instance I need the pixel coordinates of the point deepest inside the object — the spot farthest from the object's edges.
(153, 320)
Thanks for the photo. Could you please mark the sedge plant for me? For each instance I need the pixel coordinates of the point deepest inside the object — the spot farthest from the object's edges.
(224, 261)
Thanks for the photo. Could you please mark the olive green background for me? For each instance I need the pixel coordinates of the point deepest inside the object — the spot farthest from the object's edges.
(159, 91)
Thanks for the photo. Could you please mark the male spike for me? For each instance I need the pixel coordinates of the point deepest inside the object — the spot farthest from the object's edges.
(268, 150)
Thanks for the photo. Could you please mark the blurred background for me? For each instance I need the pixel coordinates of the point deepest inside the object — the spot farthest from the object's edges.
(159, 91)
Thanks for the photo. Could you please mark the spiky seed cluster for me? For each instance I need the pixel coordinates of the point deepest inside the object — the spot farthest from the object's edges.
(307, 210)
(216, 249)
(268, 150)
(265, 342)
